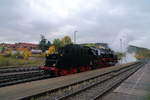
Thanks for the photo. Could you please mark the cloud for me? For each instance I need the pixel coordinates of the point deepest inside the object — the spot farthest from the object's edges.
(95, 20)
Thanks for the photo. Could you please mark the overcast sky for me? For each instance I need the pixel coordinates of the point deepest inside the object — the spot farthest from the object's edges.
(95, 20)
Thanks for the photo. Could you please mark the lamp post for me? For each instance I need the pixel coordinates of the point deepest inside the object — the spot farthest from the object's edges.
(75, 36)
(121, 48)
(121, 45)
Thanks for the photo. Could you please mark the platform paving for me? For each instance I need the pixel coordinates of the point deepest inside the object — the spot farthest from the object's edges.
(136, 87)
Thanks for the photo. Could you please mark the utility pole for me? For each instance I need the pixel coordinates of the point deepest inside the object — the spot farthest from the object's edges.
(125, 48)
(121, 45)
(121, 48)
(75, 36)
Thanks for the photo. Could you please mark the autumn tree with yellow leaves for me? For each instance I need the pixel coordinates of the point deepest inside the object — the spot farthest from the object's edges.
(62, 42)
(26, 53)
(66, 40)
(51, 50)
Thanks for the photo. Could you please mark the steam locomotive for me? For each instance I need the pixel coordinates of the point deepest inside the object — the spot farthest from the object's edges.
(75, 58)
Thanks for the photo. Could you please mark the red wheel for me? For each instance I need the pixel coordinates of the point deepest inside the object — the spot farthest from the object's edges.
(73, 70)
(82, 69)
(63, 72)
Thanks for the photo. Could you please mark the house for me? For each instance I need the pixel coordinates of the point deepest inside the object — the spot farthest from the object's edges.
(29, 46)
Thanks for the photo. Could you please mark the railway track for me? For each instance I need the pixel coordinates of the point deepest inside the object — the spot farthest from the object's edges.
(98, 88)
(17, 69)
(20, 75)
(89, 89)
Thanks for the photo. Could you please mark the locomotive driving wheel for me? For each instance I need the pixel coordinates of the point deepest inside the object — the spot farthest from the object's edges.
(63, 72)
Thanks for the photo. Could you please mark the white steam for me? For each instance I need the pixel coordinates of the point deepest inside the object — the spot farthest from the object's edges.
(121, 44)
(128, 58)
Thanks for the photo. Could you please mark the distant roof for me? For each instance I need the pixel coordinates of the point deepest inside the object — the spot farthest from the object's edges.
(27, 44)
(20, 45)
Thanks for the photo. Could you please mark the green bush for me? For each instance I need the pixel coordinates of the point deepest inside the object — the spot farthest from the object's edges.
(11, 61)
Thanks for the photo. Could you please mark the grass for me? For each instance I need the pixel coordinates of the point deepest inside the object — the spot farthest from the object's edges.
(10, 61)
(148, 97)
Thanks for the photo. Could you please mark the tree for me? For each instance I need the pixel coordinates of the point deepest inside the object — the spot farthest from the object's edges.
(57, 43)
(44, 45)
(23, 53)
(48, 44)
(2, 49)
(51, 50)
(26, 54)
(66, 40)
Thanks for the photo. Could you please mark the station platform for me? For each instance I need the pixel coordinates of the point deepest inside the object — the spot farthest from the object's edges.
(136, 87)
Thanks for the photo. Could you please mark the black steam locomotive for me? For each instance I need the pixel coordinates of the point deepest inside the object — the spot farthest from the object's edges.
(75, 58)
